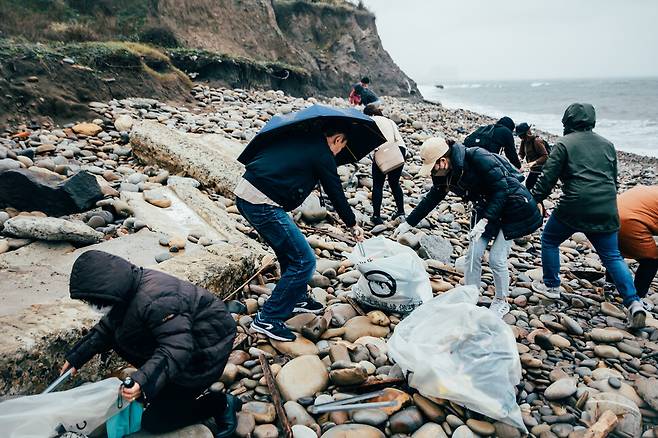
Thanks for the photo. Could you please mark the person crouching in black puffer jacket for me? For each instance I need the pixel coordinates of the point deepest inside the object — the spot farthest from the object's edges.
(504, 208)
(178, 335)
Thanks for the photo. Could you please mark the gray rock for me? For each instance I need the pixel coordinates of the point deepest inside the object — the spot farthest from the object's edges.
(630, 418)
(311, 209)
(8, 164)
(648, 390)
(50, 228)
(561, 389)
(373, 417)
(435, 247)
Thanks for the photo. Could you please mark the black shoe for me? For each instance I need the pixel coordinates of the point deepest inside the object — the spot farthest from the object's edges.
(228, 421)
(274, 329)
(399, 214)
(376, 220)
(309, 305)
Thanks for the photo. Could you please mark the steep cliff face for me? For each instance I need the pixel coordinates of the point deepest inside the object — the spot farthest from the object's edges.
(328, 43)
(339, 45)
(335, 42)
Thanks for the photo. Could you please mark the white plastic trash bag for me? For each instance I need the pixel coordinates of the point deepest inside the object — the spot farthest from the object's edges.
(80, 410)
(460, 352)
(393, 277)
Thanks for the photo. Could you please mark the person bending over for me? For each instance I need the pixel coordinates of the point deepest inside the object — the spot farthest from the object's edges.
(178, 335)
(503, 207)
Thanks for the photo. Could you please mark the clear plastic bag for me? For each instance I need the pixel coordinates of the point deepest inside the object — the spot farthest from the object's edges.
(393, 277)
(79, 410)
(460, 352)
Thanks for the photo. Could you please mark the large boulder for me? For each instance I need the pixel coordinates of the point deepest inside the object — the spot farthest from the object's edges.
(209, 158)
(26, 190)
(52, 229)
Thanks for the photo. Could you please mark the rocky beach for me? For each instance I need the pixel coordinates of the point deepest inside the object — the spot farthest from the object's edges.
(151, 181)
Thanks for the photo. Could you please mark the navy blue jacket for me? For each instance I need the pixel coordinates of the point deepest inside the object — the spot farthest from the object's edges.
(290, 167)
(479, 177)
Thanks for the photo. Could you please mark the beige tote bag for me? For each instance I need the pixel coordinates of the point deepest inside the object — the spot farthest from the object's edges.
(388, 156)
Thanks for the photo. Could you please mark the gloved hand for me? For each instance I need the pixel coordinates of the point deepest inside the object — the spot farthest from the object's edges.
(357, 233)
(401, 229)
(478, 229)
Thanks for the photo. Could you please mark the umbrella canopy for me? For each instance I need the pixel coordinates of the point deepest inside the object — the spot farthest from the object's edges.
(362, 131)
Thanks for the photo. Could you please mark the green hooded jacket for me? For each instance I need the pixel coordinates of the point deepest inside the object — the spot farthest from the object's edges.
(586, 163)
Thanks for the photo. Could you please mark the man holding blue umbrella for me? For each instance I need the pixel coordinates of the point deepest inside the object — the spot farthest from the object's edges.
(288, 158)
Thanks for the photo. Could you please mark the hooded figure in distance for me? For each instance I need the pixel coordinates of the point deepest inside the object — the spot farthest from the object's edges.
(586, 163)
(178, 335)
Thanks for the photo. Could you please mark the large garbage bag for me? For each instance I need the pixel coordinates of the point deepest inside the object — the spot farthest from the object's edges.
(393, 277)
(79, 410)
(457, 351)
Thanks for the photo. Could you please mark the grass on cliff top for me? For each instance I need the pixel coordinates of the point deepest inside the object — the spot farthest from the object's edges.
(110, 55)
(205, 58)
(339, 6)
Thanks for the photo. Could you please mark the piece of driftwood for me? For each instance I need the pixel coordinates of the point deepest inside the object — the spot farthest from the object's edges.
(603, 427)
(276, 397)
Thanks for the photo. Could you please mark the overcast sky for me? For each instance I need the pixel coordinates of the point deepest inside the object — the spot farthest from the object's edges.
(442, 40)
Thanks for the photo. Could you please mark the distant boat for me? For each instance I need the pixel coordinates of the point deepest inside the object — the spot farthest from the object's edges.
(439, 86)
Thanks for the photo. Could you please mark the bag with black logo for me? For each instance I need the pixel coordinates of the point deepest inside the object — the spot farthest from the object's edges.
(393, 277)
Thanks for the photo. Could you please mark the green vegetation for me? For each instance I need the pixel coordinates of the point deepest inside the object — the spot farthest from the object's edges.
(198, 59)
(75, 20)
(101, 56)
(335, 6)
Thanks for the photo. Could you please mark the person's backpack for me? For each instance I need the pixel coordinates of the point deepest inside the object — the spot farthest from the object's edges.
(482, 138)
(548, 146)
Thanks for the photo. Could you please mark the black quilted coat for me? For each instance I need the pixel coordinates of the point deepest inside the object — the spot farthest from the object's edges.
(481, 178)
(172, 330)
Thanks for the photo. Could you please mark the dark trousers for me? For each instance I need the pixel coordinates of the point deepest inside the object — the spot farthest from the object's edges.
(295, 256)
(378, 188)
(532, 178)
(644, 275)
(176, 407)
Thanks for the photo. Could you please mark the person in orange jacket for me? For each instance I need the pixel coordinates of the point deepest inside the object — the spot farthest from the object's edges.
(638, 213)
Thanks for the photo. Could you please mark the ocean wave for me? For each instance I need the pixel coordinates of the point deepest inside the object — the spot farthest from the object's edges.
(540, 84)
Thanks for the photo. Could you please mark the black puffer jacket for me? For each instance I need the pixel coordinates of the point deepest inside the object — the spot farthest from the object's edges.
(172, 330)
(479, 177)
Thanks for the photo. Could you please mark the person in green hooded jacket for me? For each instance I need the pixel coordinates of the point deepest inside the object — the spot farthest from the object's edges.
(586, 164)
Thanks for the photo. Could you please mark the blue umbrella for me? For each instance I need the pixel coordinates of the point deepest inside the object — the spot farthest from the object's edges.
(362, 131)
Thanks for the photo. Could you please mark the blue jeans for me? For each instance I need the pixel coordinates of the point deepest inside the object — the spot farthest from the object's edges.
(295, 256)
(606, 246)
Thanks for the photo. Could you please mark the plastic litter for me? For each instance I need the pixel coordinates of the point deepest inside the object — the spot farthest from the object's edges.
(393, 277)
(457, 351)
(80, 410)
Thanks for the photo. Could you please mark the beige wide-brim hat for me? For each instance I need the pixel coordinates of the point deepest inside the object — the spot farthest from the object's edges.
(432, 149)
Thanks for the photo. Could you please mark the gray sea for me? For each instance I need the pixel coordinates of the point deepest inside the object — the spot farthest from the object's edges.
(627, 109)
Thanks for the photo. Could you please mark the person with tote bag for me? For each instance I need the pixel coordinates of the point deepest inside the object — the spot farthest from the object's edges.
(387, 163)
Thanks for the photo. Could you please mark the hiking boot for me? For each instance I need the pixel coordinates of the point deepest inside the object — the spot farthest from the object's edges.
(272, 328)
(636, 315)
(376, 220)
(399, 214)
(552, 293)
(308, 305)
(228, 421)
(500, 307)
(648, 305)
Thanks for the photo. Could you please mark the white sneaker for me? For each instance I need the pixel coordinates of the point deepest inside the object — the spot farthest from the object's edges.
(648, 305)
(636, 315)
(500, 307)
